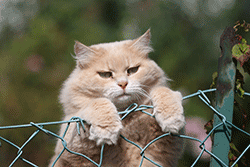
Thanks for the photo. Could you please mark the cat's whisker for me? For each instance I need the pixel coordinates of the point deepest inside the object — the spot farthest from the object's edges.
(138, 92)
(142, 85)
(113, 92)
(137, 96)
(143, 92)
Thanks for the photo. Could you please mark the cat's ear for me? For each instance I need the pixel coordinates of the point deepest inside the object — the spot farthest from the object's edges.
(83, 54)
(142, 43)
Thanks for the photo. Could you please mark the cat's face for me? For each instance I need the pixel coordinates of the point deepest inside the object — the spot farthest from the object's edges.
(119, 71)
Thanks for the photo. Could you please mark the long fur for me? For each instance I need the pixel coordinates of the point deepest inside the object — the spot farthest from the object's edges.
(108, 78)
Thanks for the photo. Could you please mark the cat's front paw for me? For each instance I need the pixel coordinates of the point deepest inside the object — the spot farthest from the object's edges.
(105, 134)
(172, 124)
(168, 110)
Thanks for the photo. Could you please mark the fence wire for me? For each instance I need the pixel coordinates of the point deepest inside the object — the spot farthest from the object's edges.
(133, 108)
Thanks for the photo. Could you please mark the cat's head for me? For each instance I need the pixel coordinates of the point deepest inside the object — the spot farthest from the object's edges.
(120, 71)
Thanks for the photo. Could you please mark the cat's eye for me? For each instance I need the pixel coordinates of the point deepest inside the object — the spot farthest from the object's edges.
(132, 70)
(105, 74)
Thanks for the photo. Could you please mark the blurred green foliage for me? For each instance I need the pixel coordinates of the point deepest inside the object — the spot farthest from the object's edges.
(36, 58)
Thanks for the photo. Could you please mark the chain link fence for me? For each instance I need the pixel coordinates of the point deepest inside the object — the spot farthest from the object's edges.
(41, 128)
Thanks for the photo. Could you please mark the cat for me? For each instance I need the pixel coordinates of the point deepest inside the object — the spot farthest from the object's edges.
(108, 78)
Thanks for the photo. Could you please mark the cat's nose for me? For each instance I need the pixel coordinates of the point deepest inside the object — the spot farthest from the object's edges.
(123, 84)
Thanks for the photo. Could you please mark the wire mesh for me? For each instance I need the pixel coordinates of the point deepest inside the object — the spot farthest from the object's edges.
(40, 128)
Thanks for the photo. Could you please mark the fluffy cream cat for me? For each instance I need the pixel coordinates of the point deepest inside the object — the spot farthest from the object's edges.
(108, 78)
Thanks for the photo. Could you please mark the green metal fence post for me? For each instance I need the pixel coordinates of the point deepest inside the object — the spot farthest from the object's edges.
(224, 97)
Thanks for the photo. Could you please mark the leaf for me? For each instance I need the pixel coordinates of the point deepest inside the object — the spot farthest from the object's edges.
(231, 163)
(234, 150)
(244, 25)
(231, 158)
(214, 76)
(239, 88)
(209, 126)
(234, 154)
(239, 83)
(231, 154)
(241, 52)
(237, 24)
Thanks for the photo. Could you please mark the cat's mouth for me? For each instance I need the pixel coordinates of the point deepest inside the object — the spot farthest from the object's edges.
(124, 96)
